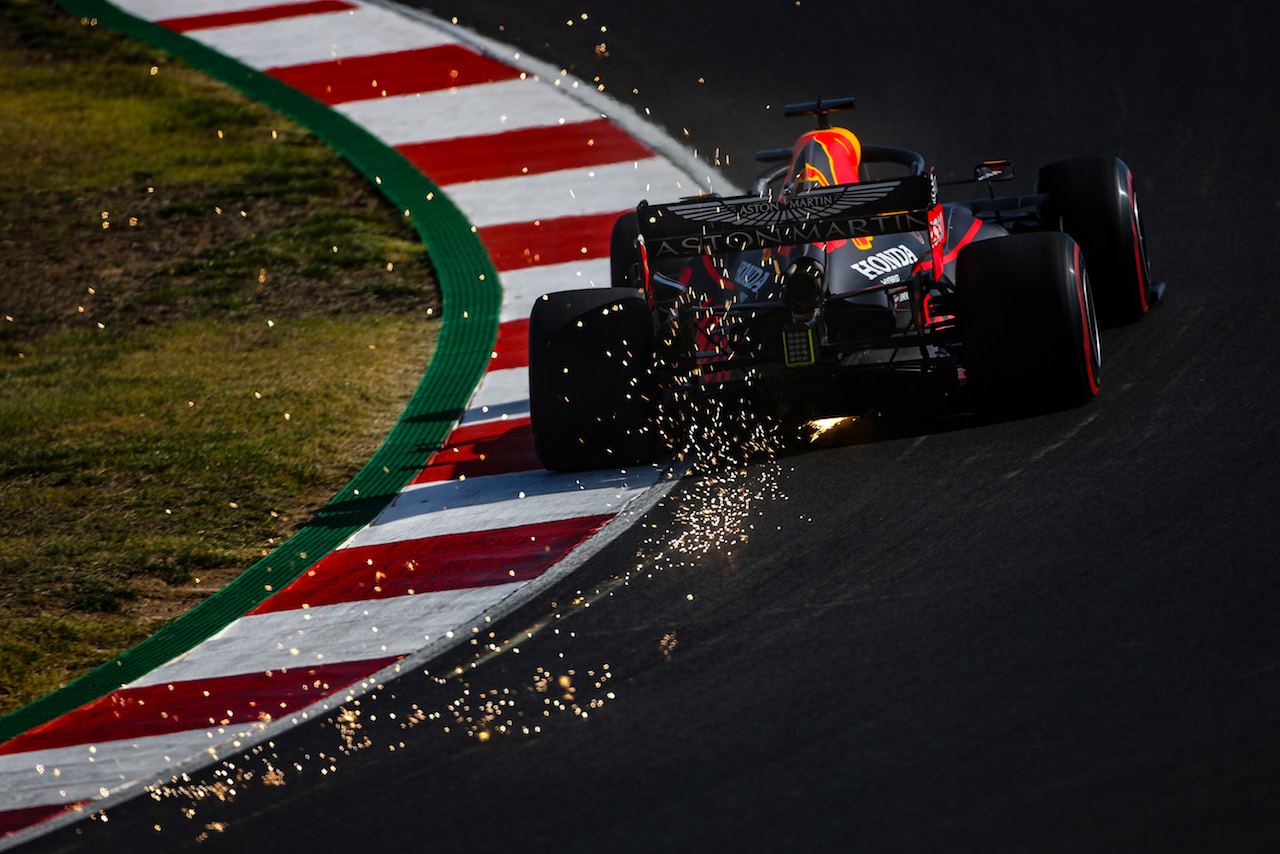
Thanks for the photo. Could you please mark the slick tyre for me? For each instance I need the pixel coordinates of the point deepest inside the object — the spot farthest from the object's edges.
(592, 393)
(624, 255)
(1029, 326)
(1094, 201)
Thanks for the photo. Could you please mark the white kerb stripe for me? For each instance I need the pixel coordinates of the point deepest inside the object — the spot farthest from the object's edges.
(522, 286)
(331, 634)
(502, 501)
(156, 10)
(364, 31)
(483, 109)
(82, 774)
(568, 192)
(502, 394)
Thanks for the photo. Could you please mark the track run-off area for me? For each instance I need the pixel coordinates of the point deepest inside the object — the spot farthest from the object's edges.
(538, 170)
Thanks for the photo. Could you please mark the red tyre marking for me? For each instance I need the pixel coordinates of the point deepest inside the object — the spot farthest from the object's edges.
(1137, 249)
(1084, 322)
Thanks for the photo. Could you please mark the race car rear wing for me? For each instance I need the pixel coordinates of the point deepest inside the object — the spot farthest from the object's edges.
(709, 225)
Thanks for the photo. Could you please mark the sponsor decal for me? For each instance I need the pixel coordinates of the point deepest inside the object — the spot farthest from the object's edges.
(937, 228)
(937, 238)
(883, 263)
(752, 276)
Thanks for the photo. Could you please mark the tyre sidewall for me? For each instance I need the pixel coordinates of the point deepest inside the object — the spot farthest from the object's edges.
(1029, 327)
(1093, 199)
(592, 391)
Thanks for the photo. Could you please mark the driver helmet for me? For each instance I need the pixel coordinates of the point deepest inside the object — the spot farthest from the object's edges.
(824, 158)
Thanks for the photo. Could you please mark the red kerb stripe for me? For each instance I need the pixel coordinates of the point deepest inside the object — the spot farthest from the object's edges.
(432, 564)
(253, 16)
(403, 73)
(133, 713)
(512, 349)
(515, 245)
(491, 447)
(524, 152)
(11, 820)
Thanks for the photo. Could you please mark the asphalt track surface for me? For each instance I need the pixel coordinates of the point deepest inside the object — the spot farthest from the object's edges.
(1049, 634)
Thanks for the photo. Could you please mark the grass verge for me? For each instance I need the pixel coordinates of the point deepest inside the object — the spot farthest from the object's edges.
(208, 323)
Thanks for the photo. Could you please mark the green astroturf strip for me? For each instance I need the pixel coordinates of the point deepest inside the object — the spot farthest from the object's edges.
(472, 298)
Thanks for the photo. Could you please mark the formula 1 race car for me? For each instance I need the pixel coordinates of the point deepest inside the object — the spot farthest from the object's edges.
(826, 293)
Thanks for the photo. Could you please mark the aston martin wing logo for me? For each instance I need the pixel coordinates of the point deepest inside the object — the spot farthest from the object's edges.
(712, 224)
(817, 204)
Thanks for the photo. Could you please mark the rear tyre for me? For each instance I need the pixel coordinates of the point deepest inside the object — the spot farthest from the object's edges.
(624, 254)
(592, 393)
(1029, 327)
(1095, 201)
